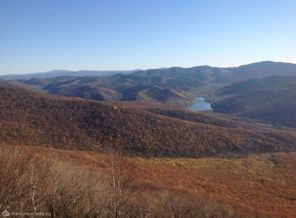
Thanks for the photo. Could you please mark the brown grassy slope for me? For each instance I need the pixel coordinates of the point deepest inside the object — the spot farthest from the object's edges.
(32, 118)
(65, 184)
(262, 185)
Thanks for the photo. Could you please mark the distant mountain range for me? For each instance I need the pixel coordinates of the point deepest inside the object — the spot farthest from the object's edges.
(59, 73)
(170, 85)
(261, 91)
(259, 69)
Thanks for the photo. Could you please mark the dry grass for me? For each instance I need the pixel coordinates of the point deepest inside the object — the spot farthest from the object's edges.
(64, 184)
(262, 185)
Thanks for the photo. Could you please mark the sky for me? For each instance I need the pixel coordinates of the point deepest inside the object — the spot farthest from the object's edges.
(42, 35)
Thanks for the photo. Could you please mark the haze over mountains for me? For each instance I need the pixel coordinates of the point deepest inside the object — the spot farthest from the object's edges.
(258, 69)
(58, 73)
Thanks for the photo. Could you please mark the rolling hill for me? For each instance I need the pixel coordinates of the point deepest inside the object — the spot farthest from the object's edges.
(271, 100)
(32, 118)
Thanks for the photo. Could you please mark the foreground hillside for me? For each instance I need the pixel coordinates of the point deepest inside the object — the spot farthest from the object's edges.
(271, 100)
(32, 118)
(80, 184)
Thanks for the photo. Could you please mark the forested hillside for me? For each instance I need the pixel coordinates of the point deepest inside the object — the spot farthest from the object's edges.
(32, 118)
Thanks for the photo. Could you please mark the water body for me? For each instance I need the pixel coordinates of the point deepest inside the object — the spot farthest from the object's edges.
(200, 104)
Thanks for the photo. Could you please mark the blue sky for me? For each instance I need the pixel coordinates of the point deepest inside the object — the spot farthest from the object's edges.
(41, 35)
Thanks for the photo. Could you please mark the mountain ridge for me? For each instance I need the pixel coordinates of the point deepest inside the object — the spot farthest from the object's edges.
(57, 73)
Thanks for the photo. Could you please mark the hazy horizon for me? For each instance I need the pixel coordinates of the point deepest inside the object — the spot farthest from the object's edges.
(39, 36)
(127, 70)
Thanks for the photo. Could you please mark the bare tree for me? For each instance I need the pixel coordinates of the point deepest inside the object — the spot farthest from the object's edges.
(120, 192)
